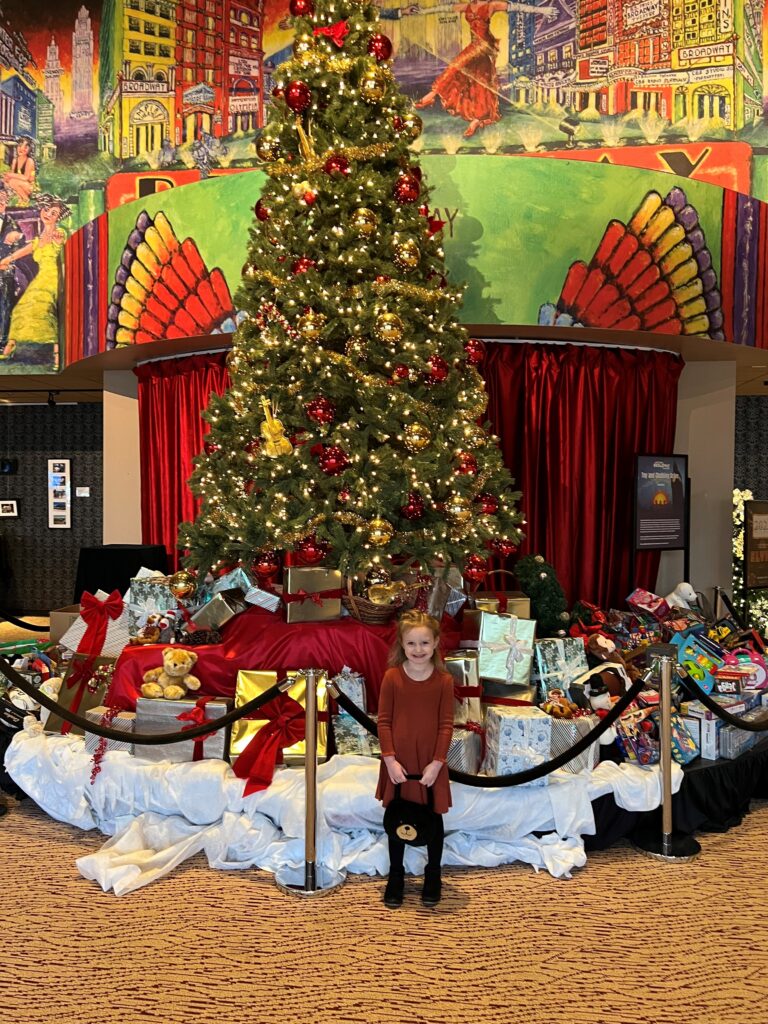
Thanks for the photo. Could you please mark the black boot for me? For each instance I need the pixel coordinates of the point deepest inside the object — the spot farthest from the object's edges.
(393, 894)
(430, 894)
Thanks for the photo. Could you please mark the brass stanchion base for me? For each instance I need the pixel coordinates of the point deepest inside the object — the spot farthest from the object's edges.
(292, 881)
(678, 849)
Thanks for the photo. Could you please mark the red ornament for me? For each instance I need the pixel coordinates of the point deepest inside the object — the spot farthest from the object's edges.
(401, 371)
(434, 226)
(382, 278)
(301, 8)
(210, 447)
(398, 123)
(266, 567)
(302, 265)
(333, 460)
(309, 198)
(320, 410)
(414, 507)
(298, 96)
(475, 569)
(438, 370)
(467, 464)
(406, 189)
(489, 503)
(475, 351)
(380, 47)
(336, 163)
(501, 546)
(310, 550)
(262, 211)
(423, 210)
(278, 92)
(344, 495)
(252, 446)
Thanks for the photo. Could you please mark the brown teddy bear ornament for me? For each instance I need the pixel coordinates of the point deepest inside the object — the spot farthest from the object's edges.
(173, 679)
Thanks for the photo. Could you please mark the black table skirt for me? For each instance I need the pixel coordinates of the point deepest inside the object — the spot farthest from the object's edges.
(112, 566)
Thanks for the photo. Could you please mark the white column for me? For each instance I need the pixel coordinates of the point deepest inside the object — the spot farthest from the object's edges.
(122, 459)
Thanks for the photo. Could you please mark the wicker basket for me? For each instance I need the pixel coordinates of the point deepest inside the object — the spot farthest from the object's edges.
(366, 611)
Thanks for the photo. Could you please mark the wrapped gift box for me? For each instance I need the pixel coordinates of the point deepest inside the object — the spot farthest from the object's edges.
(352, 738)
(513, 602)
(80, 696)
(312, 594)
(465, 751)
(149, 592)
(220, 609)
(154, 715)
(559, 663)
(117, 636)
(352, 685)
(505, 647)
(645, 602)
(252, 593)
(251, 685)
(566, 732)
(463, 666)
(124, 721)
(517, 738)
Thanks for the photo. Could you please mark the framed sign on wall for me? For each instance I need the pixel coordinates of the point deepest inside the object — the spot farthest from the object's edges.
(59, 494)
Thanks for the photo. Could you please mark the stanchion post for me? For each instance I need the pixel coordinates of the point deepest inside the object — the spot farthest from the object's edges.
(671, 846)
(323, 880)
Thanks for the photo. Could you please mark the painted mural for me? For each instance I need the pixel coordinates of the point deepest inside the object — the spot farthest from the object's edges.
(107, 103)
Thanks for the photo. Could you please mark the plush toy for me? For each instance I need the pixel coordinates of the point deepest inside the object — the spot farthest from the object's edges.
(557, 704)
(619, 674)
(683, 596)
(172, 680)
(151, 632)
(601, 703)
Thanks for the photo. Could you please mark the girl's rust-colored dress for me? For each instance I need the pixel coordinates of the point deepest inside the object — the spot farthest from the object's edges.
(416, 725)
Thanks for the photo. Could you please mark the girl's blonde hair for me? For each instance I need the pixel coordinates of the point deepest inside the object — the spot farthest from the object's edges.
(412, 619)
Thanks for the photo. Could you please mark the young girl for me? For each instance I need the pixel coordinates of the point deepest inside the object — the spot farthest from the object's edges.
(415, 728)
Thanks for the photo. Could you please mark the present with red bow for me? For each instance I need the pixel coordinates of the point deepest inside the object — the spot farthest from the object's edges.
(155, 715)
(84, 686)
(101, 628)
(312, 594)
(275, 733)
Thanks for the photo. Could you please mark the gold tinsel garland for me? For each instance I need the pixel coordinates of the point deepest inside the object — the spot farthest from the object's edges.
(281, 169)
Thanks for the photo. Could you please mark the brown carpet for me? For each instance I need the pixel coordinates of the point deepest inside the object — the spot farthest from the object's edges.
(627, 941)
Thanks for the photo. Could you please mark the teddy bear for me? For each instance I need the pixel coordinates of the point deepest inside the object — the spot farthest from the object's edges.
(558, 705)
(173, 679)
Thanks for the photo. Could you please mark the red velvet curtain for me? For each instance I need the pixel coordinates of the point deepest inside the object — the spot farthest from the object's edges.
(571, 418)
(172, 393)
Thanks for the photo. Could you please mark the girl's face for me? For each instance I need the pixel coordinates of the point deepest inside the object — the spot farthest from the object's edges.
(419, 645)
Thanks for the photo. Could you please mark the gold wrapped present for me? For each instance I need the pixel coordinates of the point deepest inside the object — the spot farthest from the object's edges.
(312, 594)
(251, 685)
(85, 685)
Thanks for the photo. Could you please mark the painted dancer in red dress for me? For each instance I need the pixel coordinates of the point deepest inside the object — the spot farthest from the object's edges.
(469, 86)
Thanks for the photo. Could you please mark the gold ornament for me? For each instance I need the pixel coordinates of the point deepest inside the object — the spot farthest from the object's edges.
(364, 222)
(412, 125)
(267, 148)
(380, 532)
(417, 437)
(183, 584)
(304, 50)
(311, 325)
(373, 85)
(356, 348)
(273, 432)
(474, 436)
(406, 254)
(388, 327)
(458, 509)
(377, 575)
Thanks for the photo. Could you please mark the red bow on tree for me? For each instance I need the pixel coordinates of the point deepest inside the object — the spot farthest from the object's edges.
(285, 726)
(337, 33)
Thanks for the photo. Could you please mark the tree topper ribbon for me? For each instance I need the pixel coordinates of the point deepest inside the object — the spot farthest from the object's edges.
(197, 716)
(337, 32)
(285, 726)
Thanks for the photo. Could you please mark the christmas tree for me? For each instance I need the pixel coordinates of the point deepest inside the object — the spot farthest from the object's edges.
(353, 423)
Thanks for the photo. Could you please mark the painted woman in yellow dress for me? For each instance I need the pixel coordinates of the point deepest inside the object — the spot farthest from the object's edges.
(33, 336)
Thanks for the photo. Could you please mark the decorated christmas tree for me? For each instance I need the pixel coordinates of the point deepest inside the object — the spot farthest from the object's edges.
(353, 425)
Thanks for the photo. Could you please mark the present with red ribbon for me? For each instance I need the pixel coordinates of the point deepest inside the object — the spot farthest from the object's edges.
(275, 733)
(101, 628)
(312, 594)
(85, 686)
(156, 715)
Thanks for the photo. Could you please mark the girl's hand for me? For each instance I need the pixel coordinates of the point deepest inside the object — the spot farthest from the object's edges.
(430, 773)
(395, 770)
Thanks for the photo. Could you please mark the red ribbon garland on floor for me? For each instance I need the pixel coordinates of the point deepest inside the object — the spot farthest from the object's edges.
(96, 615)
(197, 716)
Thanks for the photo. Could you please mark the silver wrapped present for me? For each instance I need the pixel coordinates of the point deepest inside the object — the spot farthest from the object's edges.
(239, 579)
(149, 593)
(465, 751)
(352, 685)
(219, 610)
(463, 666)
(124, 721)
(558, 663)
(516, 738)
(158, 715)
(566, 732)
(352, 738)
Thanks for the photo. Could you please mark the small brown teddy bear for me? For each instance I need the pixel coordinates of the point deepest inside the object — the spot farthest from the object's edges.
(172, 680)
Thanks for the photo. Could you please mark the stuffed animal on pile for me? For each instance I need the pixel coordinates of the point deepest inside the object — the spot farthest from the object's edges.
(619, 674)
(173, 679)
(683, 596)
(558, 705)
(151, 632)
(601, 702)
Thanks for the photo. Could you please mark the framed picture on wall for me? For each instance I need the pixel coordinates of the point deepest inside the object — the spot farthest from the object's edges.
(59, 494)
(8, 508)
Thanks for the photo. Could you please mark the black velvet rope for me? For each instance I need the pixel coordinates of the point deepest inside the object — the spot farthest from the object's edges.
(530, 774)
(142, 739)
(697, 693)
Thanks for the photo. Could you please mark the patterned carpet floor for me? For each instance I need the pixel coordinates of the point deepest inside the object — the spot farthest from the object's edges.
(627, 940)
